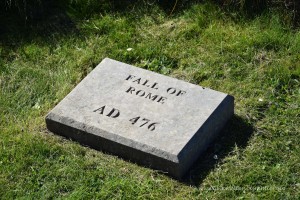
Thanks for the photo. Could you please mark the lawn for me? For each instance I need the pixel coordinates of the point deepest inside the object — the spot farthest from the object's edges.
(254, 58)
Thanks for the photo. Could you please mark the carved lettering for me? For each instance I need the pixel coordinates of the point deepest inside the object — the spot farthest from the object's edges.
(139, 81)
(146, 95)
(130, 77)
(114, 113)
(139, 121)
(143, 122)
(150, 96)
(172, 90)
(140, 93)
(101, 109)
(180, 92)
(161, 100)
(153, 86)
(146, 81)
(130, 90)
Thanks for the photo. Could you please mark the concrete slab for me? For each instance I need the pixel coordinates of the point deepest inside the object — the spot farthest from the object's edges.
(148, 118)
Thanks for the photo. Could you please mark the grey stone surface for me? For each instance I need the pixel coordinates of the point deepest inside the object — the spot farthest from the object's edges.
(148, 118)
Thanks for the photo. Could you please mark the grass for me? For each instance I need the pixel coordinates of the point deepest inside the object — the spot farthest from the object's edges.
(256, 60)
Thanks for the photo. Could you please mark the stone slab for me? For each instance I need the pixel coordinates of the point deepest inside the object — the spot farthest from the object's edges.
(148, 118)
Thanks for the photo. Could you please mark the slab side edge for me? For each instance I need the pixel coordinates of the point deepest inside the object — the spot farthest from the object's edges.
(109, 146)
(206, 134)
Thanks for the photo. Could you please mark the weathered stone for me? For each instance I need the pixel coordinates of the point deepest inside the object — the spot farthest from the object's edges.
(148, 118)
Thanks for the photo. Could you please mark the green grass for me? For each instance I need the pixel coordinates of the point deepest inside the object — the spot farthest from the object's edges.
(256, 60)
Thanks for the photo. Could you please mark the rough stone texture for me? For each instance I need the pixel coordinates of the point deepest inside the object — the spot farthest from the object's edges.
(188, 116)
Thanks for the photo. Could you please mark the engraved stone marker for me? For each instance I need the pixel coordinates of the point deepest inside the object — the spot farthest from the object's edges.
(151, 119)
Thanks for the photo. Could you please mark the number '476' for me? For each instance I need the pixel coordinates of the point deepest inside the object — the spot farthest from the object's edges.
(143, 121)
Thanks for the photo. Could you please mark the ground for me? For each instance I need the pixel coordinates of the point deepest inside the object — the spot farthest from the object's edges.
(256, 59)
